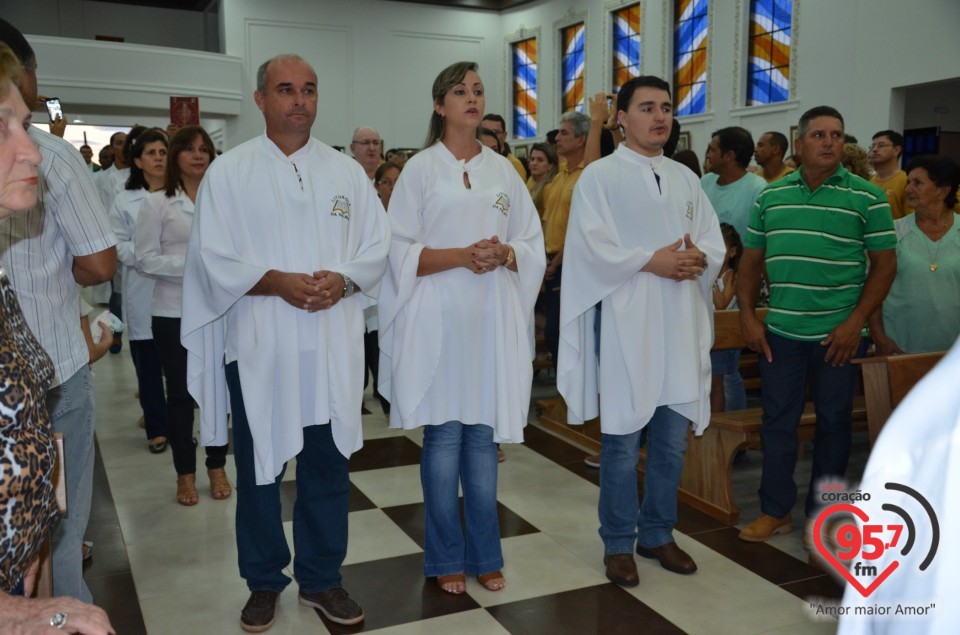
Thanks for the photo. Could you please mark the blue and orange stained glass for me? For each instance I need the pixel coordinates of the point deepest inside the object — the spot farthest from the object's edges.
(573, 38)
(626, 45)
(525, 88)
(769, 67)
(690, 57)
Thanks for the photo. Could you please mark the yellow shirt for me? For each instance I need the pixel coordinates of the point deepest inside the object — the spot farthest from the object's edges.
(785, 172)
(895, 188)
(518, 166)
(556, 208)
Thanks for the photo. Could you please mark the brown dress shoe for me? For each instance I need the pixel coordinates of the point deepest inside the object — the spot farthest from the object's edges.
(671, 557)
(766, 527)
(621, 569)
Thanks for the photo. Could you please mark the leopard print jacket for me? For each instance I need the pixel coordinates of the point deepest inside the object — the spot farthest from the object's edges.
(28, 505)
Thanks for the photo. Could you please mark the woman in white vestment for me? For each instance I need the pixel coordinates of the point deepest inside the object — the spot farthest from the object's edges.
(148, 164)
(160, 242)
(456, 325)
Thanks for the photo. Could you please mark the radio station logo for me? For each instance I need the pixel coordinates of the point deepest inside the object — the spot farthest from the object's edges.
(856, 553)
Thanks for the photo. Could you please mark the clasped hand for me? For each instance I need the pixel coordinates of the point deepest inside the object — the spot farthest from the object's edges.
(676, 264)
(313, 293)
(487, 254)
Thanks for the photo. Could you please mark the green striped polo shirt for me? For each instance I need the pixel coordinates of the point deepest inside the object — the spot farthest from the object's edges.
(814, 248)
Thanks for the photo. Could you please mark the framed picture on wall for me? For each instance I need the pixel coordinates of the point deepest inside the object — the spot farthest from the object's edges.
(684, 142)
(793, 139)
(520, 151)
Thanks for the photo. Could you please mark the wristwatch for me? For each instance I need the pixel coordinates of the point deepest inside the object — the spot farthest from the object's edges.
(348, 287)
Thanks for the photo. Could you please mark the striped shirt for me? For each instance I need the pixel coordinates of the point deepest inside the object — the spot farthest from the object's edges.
(37, 249)
(814, 248)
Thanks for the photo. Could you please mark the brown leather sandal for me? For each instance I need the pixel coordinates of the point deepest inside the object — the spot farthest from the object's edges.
(493, 581)
(454, 584)
(187, 489)
(220, 487)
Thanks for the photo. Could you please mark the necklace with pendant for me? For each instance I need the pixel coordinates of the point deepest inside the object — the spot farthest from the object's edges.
(936, 256)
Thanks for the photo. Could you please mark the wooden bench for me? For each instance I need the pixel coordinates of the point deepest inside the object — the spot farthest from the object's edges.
(887, 380)
(706, 483)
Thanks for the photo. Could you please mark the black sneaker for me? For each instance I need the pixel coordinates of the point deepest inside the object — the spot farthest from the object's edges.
(260, 611)
(335, 604)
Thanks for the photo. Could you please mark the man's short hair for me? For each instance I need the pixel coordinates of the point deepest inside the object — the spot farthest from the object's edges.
(497, 118)
(895, 137)
(12, 37)
(780, 140)
(579, 123)
(262, 71)
(643, 81)
(737, 140)
(552, 136)
(813, 113)
(114, 135)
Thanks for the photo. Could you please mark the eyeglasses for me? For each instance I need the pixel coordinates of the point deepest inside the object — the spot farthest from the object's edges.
(368, 142)
(386, 182)
(880, 144)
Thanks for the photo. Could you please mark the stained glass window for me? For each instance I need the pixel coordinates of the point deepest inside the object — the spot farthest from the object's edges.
(690, 57)
(768, 73)
(573, 38)
(525, 88)
(626, 45)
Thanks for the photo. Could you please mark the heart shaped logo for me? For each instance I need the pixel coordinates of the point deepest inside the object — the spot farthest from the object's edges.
(827, 555)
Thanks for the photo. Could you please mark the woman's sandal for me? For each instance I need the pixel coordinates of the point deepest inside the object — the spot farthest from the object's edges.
(220, 487)
(187, 489)
(157, 445)
(455, 583)
(493, 581)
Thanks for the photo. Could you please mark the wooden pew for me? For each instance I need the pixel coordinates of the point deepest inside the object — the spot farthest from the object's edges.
(887, 380)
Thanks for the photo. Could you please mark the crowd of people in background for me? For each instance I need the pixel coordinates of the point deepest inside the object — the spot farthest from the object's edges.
(605, 237)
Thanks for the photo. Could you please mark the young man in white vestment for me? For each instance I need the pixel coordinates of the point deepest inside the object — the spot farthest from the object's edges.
(286, 230)
(643, 243)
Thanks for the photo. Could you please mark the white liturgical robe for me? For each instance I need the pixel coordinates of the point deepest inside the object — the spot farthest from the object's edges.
(257, 210)
(656, 333)
(455, 345)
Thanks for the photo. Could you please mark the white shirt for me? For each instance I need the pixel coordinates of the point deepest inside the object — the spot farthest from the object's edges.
(37, 249)
(257, 210)
(137, 293)
(110, 183)
(656, 333)
(454, 345)
(160, 241)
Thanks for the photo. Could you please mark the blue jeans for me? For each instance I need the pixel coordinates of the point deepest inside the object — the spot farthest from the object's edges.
(146, 361)
(623, 520)
(456, 454)
(783, 392)
(319, 515)
(72, 412)
(727, 363)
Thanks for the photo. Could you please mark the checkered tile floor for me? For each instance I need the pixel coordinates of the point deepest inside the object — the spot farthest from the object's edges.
(162, 568)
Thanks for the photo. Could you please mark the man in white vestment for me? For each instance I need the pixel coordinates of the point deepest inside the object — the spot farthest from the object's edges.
(644, 244)
(286, 230)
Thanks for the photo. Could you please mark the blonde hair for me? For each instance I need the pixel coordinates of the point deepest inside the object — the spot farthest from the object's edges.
(10, 68)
